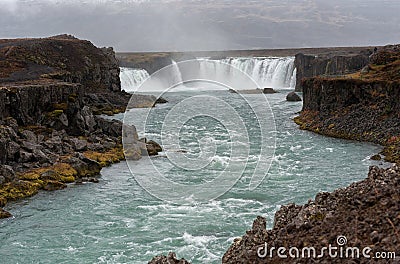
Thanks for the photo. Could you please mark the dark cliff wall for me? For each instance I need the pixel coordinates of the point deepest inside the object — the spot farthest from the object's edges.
(327, 95)
(310, 65)
(365, 110)
(28, 103)
(61, 57)
(151, 62)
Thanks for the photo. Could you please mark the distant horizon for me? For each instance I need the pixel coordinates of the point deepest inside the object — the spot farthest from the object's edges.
(199, 51)
(195, 25)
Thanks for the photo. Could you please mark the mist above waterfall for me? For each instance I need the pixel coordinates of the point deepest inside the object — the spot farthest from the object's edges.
(277, 73)
(182, 25)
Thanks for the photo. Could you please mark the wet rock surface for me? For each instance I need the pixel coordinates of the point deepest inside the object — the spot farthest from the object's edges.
(293, 97)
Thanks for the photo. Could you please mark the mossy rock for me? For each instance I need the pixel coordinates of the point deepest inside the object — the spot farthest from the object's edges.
(55, 114)
(67, 179)
(60, 106)
(106, 158)
(19, 190)
(317, 217)
(29, 176)
(72, 98)
(65, 169)
(376, 157)
(54, 186)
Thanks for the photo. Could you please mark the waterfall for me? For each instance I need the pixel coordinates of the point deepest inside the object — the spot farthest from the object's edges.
(267, 72)
(131, 79)
(176, 73)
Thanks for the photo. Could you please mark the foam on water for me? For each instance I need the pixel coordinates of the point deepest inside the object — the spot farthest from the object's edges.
(116, 221)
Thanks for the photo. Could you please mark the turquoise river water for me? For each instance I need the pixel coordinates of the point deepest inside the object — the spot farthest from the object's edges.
(117, 221)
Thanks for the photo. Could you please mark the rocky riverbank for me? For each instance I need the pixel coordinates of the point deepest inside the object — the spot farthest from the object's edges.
(362, 106)
(52, 94)
(366, 214)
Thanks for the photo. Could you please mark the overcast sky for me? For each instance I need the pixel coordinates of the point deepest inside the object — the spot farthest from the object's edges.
(177, 25)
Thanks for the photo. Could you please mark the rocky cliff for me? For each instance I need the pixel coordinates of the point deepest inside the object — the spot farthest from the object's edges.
(328, 64)
(50, 92)
(151, 62)
(363, 215)
(60, 57)
(362, 106)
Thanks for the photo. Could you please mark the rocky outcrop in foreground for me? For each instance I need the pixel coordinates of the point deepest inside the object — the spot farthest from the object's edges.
(170, 259)
(52, 93)
(365, 214)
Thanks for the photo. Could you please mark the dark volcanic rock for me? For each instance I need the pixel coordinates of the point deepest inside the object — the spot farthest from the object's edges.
(269, 91)
(293, 97)
(61, 57)
(7, 173)
(4, 214)
(150, 62)
(328, 64)
(170, 259)
(49, 135)
(366, 213)
(152, 148)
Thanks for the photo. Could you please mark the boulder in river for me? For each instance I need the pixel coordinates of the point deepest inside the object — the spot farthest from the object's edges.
(269, 91)
(293, 97)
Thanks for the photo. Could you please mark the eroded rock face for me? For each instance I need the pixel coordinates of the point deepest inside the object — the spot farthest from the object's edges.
(366, 213)
(170, 259)
(63, 58)
(49, 135)
(311, 65)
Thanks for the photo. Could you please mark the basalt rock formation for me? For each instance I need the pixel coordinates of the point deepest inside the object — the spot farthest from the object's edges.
(362, 106)
(52, 92)
(328, 64)
(151, 62)
(363, 215)
(62, 57)
(170, 259)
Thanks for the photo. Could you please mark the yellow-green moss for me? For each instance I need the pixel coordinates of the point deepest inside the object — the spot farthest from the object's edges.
(18, 190)
(61, 106)
(106, 158)
(72, 97)
(30, 176)
(64, 169)
(318, 216)
(67, 179)
(55, 114)
(30, 182)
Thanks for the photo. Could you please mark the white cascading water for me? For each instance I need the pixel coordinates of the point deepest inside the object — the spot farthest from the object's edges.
(269, 72)
(176, 73)
(131, 79)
